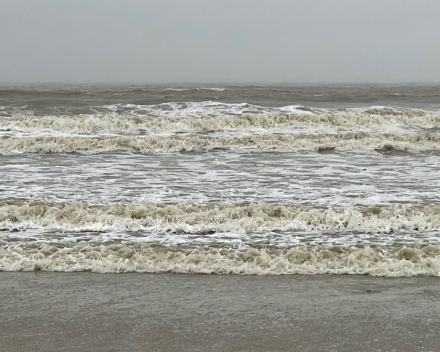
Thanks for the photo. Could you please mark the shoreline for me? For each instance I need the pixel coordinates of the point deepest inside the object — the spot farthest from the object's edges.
(83, 311)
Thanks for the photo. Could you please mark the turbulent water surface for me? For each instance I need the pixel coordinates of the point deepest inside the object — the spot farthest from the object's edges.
(221, 179)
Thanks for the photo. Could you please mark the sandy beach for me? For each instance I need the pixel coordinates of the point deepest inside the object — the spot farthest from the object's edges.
(46, 311)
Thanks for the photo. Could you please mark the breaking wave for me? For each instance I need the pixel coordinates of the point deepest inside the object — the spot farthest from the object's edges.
(118, 258)
(310, 142)
(197, 109)
(202, 219)
(368, 121)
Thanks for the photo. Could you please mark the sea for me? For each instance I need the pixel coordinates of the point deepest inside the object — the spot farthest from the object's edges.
(221, 179)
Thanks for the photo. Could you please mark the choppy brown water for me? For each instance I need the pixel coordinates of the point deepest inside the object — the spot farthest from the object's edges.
(225, 179)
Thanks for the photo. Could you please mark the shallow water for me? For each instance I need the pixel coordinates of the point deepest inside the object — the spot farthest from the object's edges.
(218, 312)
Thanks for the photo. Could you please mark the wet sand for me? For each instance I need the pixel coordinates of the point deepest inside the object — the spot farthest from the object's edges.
(45, 311)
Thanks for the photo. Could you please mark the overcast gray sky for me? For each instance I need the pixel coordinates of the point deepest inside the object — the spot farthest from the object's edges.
(148, 41)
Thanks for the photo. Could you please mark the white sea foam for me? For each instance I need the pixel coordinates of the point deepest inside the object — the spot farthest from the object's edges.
(119, 258)
(178, 89)
(217, 108)
(216, 89)
(197, 109)
(382, 241)
(339, 179)
(347, 141)
(372, 121)
(199, 219)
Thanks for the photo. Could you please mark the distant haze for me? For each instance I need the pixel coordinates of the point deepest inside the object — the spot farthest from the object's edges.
(246, 41)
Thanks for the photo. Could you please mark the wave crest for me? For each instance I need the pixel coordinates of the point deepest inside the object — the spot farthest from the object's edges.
(166, 217)
(373, 121)
(119, 258)
(347, 141)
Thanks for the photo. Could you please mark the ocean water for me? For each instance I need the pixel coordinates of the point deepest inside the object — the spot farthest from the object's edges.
(226, 179)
